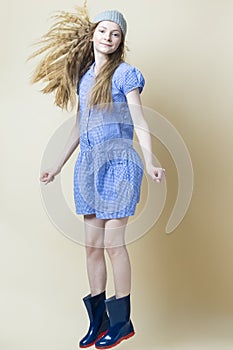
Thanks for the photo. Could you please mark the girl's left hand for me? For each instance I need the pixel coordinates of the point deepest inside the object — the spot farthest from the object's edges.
(157, 174)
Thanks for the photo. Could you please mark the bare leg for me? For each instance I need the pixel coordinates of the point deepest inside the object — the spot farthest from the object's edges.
(115, 245)
(95, 259)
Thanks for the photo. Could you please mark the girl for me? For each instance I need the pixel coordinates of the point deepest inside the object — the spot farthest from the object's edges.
(89, 56)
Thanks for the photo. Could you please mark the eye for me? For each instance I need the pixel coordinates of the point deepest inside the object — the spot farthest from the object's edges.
(116, 35)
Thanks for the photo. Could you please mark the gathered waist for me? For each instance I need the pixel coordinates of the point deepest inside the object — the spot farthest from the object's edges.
(109, 151)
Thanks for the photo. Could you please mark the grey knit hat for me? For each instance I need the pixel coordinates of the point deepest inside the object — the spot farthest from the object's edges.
(113, 16)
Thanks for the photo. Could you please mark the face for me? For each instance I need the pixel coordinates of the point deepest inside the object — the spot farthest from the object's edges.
(107, 37)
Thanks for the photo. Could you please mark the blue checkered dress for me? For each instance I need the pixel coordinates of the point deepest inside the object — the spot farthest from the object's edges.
(108, 171)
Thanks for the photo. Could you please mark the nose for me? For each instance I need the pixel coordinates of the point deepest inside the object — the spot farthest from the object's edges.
(107, 35)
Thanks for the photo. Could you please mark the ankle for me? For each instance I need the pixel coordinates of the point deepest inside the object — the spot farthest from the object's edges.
(97, 292)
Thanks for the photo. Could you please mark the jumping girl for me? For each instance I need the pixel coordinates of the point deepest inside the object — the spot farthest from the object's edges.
(87, 57)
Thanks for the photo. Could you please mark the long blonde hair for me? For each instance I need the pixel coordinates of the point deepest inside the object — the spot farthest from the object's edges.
(69, 54)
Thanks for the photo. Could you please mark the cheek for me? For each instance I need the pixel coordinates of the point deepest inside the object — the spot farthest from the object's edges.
(96, 36)
(117, 43)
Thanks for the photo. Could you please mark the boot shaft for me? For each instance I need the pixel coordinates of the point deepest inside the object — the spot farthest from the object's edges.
(118, 309)
(95, 305)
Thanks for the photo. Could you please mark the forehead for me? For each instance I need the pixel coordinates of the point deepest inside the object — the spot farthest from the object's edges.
(109, 25)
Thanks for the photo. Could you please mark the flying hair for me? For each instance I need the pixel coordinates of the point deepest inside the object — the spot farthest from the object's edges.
(68, 54)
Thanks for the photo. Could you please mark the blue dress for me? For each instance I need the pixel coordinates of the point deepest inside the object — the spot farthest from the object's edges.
(108, 171)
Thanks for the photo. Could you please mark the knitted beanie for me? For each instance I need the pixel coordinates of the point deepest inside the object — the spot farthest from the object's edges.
(113, 16)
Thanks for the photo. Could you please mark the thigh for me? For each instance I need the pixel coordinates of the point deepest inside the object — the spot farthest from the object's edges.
(115, 232)
(94, 231)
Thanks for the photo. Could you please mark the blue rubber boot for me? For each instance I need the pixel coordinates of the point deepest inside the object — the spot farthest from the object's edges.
(99, 321)
(121, 327)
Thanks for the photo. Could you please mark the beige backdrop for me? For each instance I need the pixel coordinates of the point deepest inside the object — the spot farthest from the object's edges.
(182, 283)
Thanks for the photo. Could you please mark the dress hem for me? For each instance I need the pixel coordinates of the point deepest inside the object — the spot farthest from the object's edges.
(98, 216)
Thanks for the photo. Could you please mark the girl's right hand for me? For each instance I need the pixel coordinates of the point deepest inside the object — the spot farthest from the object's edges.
(48, 176)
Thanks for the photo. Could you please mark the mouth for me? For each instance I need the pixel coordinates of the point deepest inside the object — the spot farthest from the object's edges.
(106, 45)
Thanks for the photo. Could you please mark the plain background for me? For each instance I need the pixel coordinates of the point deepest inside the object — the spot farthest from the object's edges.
(182, 283)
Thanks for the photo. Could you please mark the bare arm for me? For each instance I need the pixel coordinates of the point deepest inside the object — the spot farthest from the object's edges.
(143, 134)
(70, 146)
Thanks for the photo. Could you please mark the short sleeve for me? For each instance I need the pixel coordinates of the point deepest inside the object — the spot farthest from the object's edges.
(132, 79)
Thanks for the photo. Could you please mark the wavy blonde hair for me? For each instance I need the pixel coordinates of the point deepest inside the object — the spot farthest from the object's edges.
(69, 54)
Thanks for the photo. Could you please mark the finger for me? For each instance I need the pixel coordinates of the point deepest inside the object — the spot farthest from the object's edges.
(161, 174)
(44, 176)
(50, 178)
(159, 177)
(43, 179)
(156, 178)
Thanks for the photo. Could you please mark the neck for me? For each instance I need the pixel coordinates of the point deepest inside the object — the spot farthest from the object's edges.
(100, 60)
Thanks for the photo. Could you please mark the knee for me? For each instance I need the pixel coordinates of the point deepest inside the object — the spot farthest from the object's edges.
(115, 251)
(93, 252)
